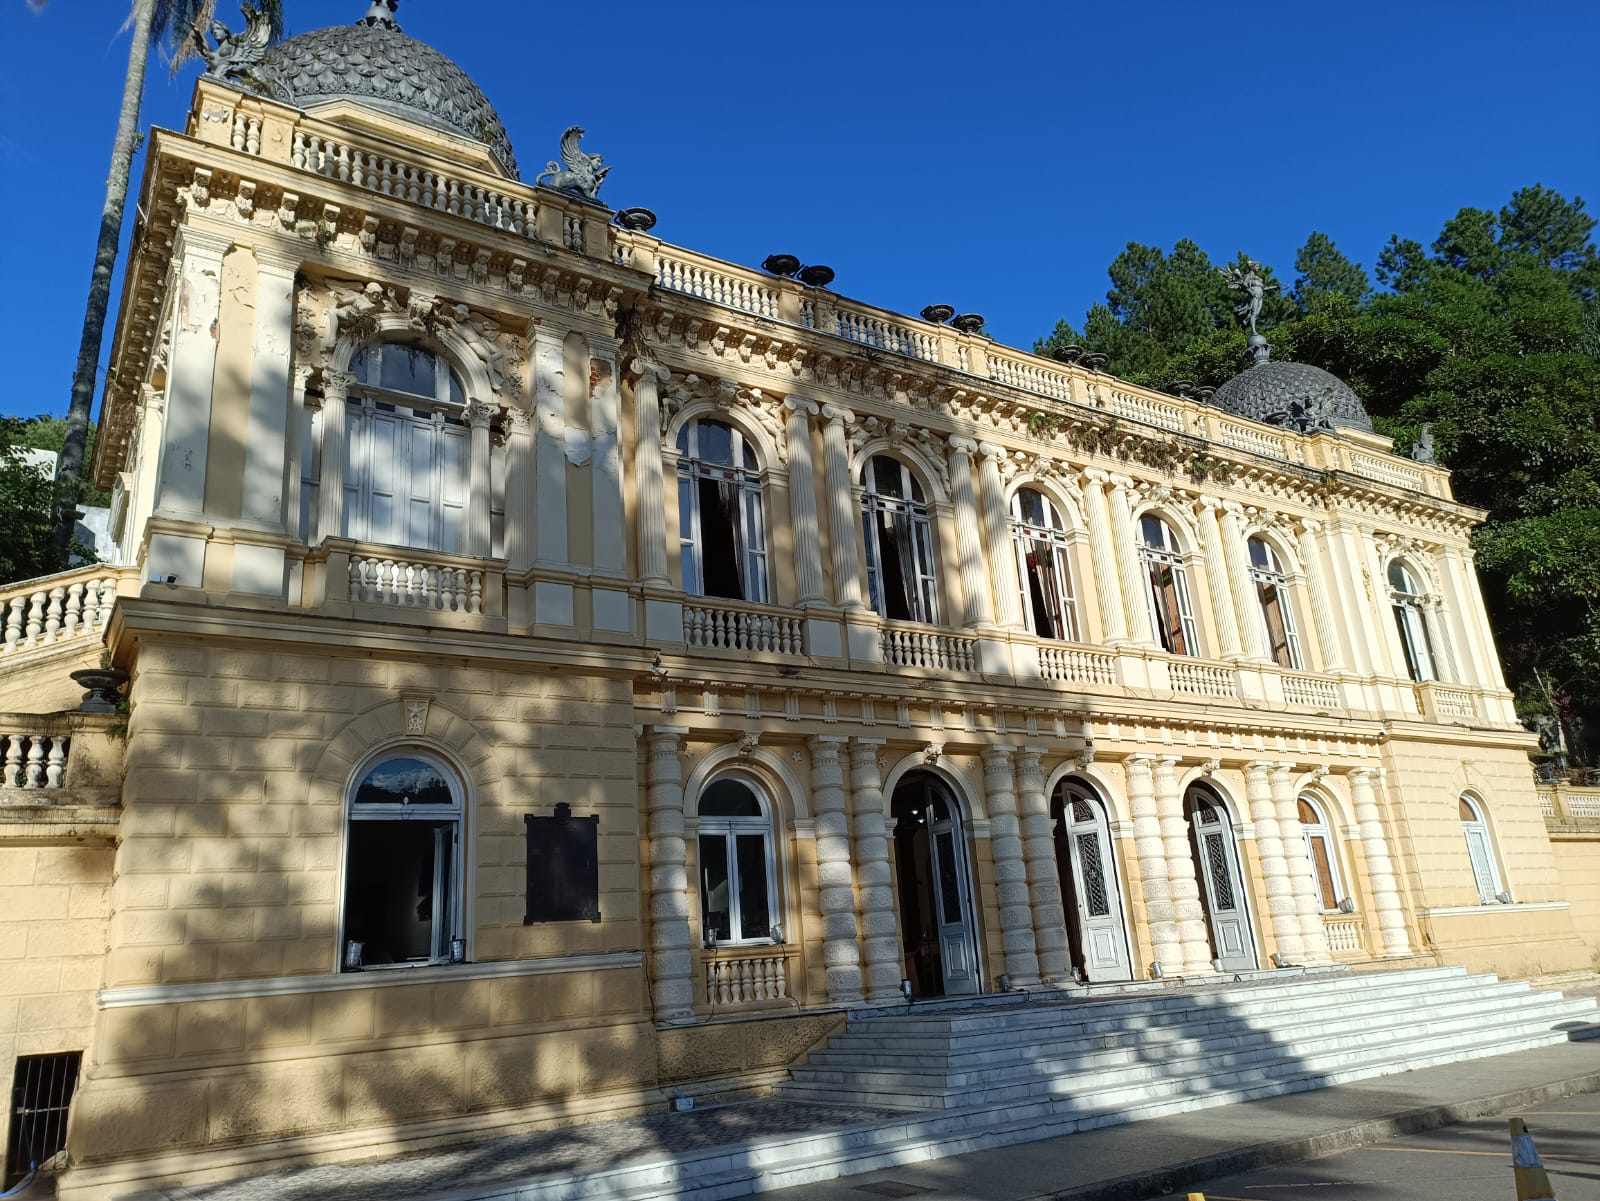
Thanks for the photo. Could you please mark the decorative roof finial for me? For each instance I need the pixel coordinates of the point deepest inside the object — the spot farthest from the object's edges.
(1254, 289)
(381, 14)
(583, 174)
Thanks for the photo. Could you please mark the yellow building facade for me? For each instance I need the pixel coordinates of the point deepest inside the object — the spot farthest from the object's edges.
(566, 668)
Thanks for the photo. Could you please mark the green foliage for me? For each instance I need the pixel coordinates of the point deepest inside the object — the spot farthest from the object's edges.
(28, 546)
(50, 433)
(1493, 336)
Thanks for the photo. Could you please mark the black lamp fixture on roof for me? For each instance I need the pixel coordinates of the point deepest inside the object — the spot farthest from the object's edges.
(938, 313)
(1070, 353)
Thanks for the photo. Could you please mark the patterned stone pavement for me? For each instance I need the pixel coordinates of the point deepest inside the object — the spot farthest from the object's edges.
(590, 1148)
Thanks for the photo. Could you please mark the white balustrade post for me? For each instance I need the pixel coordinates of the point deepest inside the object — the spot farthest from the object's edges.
(874, 881)
(842, 511)
(807, 538)
(1252, 628)
(1302, 873)
(1281, 910)
(1166, 944)
(1329, 656)
(1391, 918)
(1044, 883)
(520, 513)
(1134, 585)
(648, 486)
(978, 604)
(605, 459)
(1222, 608)
(1183, 884)
(841, 953)
(1103, 558)
(1010, 869)
(330, 484)
(479, 537)
(672, 988)
(997, 534)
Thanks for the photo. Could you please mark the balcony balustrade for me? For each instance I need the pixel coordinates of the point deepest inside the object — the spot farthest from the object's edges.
(907, 645)
(747, 977)
(730, 626)
(1077, 665)
(1346, 935)
(69, 607)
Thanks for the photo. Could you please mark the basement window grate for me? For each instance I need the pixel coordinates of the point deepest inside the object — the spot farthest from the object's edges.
(41, 1094)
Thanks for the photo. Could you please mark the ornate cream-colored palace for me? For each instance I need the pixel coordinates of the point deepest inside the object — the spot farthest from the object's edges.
(565, 667)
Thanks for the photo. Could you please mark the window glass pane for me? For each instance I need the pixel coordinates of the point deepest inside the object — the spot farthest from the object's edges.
(404, 782)
(1308, 815)
(716, 443)
(1467, 813)
(886, 476)
(720, 569)
(407, 369)
(715, 916)
(1031, 507)
(729, 798)
(755, 915)
(1400, 579)
(1261, 556)
(1318, 846)
(1152, 532)
(389, 890)
(949, 885)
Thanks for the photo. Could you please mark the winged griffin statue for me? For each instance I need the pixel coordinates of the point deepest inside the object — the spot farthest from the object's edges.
(236, 53)
(583, 173)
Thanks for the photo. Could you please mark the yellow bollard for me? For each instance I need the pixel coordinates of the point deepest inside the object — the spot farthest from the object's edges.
(1533, 1184)
(1197, 1197)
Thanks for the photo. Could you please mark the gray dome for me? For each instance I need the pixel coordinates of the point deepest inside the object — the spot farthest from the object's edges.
(374, 64)
(1293, 395)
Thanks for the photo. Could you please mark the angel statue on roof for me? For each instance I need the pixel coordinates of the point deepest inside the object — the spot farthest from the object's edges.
(1248, 281)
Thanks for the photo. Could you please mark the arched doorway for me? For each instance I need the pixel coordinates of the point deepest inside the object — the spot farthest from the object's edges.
(1089, 884)
(1216, 856)
(937, 935)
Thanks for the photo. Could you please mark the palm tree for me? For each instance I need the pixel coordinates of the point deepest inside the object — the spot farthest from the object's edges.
(176, 25)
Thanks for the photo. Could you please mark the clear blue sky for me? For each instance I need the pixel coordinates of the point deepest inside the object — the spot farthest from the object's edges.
(991, 156)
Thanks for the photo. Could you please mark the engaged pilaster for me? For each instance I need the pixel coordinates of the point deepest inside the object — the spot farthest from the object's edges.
(550, 446)
(671, 965)
(1329, 656)
(1183, 885)
(1010, 872)
(1391, 920)
(1166, 943)
(330, 485)
(841, 508)
(1222, 608)
(1103, 558)
(1281, 910)
(479, 535)
(1134, 585)
(648, 485)
(803, 501)
(997, 536)
(841, 955)
(977, 598)
(1044, 884)
(1252, 630)
(605, 458)
(874, 881)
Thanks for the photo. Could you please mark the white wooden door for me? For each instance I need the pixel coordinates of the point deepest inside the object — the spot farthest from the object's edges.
(1225, 905)
(947, 863)
(1095, 892)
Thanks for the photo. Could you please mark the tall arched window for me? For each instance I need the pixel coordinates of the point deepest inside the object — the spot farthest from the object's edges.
(1480, 850)
(899, 537)
(402, 876)
(1272, 593)
(1171, 611)
(406, 450)
(1039, 536)
(738, 877)
(1411, 617)
(1324, 856)
(721, 523)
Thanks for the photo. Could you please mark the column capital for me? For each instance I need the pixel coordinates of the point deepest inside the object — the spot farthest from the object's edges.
(1210, 503)
(1096, 475)
(1138, 759)
(479, 415)
(520, 420)
(277, 261)
(336, 385)
(1307, 525)
(868, 743)
(801, 405)
(837, 415)
(1233, 508)
(1120, 482)
(190, 241)
(641, 366)
(673, 732)
(1363, 775)
(962, 445)
(992, 452)
(1259, 767)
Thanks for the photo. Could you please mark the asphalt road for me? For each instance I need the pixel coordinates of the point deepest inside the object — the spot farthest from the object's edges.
(1469, 1162)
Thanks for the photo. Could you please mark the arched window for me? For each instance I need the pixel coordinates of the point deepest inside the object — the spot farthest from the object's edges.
(899, 536)
(1272, 592)
(1411, 617)
(738, 877)
(1171, 611)
(1480, 850)
(1324, 857)
(1039, 537)
(407, 450)
(403, 865)
(721, 525)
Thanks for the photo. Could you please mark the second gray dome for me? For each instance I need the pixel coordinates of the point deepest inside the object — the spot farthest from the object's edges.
(1293, 395)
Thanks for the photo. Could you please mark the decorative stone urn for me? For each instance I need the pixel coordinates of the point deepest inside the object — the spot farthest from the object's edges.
(103, 687)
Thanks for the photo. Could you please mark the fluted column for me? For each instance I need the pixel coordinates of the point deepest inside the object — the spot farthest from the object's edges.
(1182, 883)
(978, 603)
(1044, 884)
(330, 484)
(550, 445)
(1252, 630)
(1390, 917)
(841, 508)
(874, 880)
(271, 427)
(1166, 943)
(997, 536)
(671, 966)
(841, 956)
(1010, 872)
(1281, 911)
(479, 528)
(1217, 577)
(803, 501)
(1329, 657)
(606, 518)
(1302, 873)
(1134, 585)
(520, 515)
(1103, 558)
(1463, 622)
(197, 256)
(1472, 600)
(648, 487)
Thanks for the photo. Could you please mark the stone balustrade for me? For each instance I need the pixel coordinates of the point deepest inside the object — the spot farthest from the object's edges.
(1077, 665)
(717, 283)
(1029, 373)
(60, 758)
(1562, 802)
(753, 978)
(376, 580)
(74, 605)
(1443, 703)
(1202, 679)
(906, 645)
(872, 331)
(1166, 414)
(726, 626)
(1346, 934)
(1314, 692)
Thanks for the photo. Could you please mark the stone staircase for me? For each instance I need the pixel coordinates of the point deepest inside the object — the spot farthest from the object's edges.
(905, 1086)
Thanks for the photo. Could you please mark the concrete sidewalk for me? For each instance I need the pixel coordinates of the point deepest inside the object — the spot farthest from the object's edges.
(1149, 1159)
